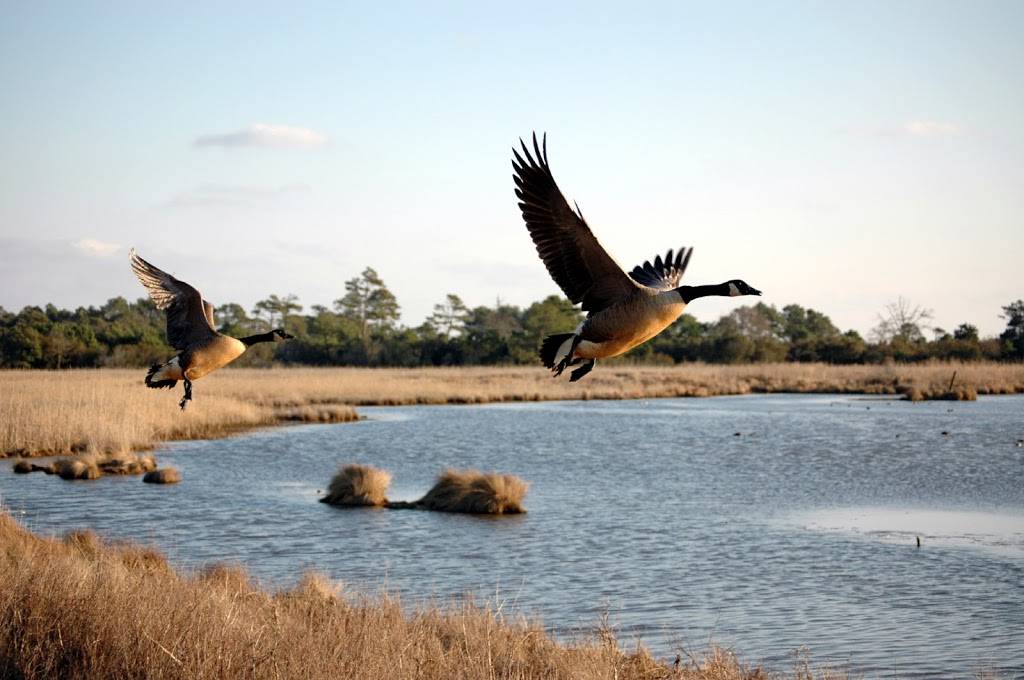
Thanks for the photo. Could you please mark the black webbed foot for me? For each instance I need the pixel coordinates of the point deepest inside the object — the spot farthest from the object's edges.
(587, 367)
(188, 394)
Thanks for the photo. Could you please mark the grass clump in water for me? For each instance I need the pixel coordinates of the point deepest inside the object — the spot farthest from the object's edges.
(474, 492)
(358, 485)
(166, 475)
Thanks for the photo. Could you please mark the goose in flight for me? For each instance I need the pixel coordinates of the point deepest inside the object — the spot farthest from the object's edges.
(623, 310)
(190, 330)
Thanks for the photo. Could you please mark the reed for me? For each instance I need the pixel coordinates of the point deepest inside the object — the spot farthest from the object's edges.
(167, 475)
(358, 485)
(108, 410)
(83, 608)
(474, 492)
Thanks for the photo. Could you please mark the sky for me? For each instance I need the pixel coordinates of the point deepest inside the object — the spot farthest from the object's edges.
(834, 155)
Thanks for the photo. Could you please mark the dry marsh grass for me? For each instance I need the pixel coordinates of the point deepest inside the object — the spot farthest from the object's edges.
(474, 492)
(108, 410)
(358, 485)
(82, 608)
(166, 475)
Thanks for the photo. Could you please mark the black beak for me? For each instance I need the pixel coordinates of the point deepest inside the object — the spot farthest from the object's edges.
(289, 336)
(755, 291)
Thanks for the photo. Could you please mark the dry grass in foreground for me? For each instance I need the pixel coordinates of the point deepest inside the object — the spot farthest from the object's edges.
(109, 410)
(79, 608)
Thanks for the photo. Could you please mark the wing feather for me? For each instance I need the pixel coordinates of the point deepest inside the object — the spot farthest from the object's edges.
(663, 274)
(189, 317)
(576, 261)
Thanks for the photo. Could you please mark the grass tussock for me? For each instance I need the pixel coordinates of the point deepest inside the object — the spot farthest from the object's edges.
(166, 475)
(83, 608)
(93, 465)
(108, 410)
(474, 492)
(358, 485)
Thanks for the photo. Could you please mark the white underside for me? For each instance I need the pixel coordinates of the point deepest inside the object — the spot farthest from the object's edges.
(169, 371)
(563, 350)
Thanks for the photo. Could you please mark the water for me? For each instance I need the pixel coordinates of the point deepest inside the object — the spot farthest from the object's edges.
(801, 531)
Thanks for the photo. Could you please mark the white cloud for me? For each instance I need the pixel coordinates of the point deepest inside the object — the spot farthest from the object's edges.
(931, 128)
(262, 134)
(228, 195)
(95, 248)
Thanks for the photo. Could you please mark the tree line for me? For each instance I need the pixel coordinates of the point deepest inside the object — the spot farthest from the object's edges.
(362, 328)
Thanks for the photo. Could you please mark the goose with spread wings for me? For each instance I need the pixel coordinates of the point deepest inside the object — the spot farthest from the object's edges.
(623, 310)
(191, 330)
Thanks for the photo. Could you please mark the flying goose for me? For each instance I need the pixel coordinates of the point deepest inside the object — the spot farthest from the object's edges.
(622, 311)
(191, 330)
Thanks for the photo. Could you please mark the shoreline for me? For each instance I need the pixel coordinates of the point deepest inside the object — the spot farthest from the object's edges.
(53, 413)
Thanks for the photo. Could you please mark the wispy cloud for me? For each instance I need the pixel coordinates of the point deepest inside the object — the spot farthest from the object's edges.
(913, 128)
(262, 134)
(96, 248)
(931, 128)
(231, 196)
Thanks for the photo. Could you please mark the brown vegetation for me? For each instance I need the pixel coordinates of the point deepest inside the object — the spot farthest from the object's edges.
(81, 608)
(56, 412)
(358, 485)
(473, 492)
(95, 465)
(163, 476)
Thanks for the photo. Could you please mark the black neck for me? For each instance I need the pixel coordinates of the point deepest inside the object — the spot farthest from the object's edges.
(259, 337)
(689, 293)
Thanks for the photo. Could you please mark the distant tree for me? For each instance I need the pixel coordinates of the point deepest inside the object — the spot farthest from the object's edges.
(275, 307)
(449, 317)
(902, 321)
(369, 303)
(966, 331)
(1013, 336)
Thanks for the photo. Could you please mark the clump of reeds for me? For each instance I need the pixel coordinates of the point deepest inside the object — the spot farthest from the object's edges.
(358, 485)
(78, 468)
(166, 475)
(22, 467)
(94, 465)
(475, 492)
(955, 393)
(127, 464)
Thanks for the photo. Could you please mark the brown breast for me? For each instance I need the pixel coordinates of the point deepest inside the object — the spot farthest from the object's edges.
(219, 351)
(622, 327)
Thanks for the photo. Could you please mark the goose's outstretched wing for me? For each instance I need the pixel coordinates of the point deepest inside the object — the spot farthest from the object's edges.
(663, 274)
(574, 258)
(189, 317)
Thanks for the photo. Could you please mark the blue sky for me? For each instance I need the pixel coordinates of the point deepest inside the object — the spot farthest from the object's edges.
(834, 155)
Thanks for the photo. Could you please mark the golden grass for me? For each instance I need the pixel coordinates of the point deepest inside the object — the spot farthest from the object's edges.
(109, 410)
(358, 485)
(475, 492)
(166, 475)
(79, 608)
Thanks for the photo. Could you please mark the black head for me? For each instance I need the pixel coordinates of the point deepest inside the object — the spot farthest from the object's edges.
(281, 335)
(738, 287)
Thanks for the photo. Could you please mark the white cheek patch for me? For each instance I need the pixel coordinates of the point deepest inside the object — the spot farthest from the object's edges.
(733, 290)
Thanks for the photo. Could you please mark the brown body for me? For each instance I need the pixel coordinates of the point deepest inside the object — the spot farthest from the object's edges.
(219, 351)
(626, 324)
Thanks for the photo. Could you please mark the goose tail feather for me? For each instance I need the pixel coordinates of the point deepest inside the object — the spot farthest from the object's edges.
(156, 379)
(554, 348)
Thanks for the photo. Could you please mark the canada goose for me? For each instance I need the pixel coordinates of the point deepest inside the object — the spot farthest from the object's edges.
(622, 311)
(191, 330)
